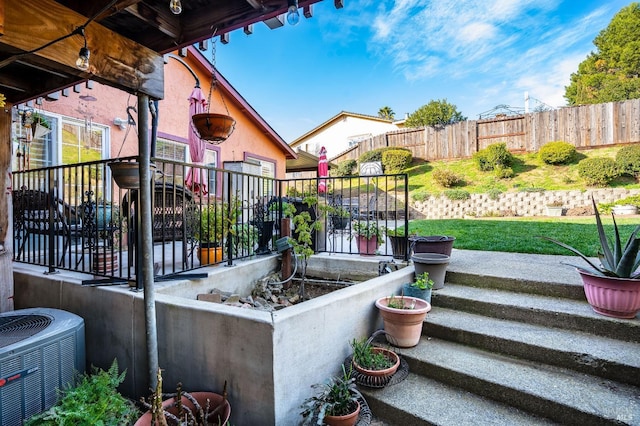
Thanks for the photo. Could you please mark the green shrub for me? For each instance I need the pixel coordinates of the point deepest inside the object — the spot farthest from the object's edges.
(493, 155)
(420, 195)
(628, 160)
(373, 155)
(494, 193)
(344, 168)
(598, 171)
(607, 208)
(396, 160)
(94, 401)
(446, 178)
(558, 152)
(531, 189)
(503, 172)
(457, 194)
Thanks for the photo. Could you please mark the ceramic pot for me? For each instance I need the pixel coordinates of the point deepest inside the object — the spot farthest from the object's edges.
(433, 263)
(367, 247)
(105, 261)
(387, 372)
(403, 326)
(219, 417)
(432, 244)
(611, 296)
(210, 253)
(347, 420)
(411, 291)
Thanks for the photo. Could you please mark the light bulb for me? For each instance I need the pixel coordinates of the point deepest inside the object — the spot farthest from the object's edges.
(83, 59)
(175, 6)
(293, 17)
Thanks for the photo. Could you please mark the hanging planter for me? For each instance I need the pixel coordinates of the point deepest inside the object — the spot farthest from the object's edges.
(213, 127)
(126, 175)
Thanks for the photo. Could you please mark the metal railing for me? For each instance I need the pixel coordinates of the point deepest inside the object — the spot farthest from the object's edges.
(84, 218)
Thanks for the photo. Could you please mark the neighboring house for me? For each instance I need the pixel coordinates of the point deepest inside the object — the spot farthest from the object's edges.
(341, 132)
(89, 122)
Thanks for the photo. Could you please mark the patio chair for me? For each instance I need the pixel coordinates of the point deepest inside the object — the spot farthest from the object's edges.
(173, 216)
(35, 212)
(369, 211)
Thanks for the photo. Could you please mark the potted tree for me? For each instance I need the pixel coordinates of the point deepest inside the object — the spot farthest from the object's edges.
(403, 318)
(335, 402)
(368, 235)
(613, 287)
(420, 288)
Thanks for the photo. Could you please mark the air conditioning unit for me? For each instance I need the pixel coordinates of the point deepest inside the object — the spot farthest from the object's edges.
(41, 350)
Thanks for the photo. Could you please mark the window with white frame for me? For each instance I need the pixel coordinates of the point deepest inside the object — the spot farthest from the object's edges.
(174, 151)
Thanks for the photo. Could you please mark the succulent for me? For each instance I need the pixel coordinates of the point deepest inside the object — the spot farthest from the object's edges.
(616, 260)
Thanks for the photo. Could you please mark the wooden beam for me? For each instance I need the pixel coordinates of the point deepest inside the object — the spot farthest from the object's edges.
(115, 60)
(162, 19)
(2, 2)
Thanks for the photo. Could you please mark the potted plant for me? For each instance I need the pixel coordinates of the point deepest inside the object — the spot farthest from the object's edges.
(420, 288)
(554, 208)
(210, 231)
(399, 243)
(339, 216)
(185, 408)
(335, 402)
(403, 318)
(613, 287)
(435, 264)
(368, 236)
(377, 363)
(263, 221)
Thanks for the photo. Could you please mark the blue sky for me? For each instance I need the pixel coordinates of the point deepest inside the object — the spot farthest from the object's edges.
(475, 53)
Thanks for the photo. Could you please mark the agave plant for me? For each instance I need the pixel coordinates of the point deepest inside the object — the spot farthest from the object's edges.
(616, 261)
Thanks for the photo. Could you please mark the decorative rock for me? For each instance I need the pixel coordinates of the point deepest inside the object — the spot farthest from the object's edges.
(208, 297)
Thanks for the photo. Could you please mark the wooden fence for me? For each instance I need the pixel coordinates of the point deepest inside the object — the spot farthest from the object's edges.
(585, 126)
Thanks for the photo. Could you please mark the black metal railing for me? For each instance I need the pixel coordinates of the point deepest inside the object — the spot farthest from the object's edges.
(84, 218)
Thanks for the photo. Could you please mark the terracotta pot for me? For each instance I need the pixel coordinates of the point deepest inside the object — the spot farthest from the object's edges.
(105, 262)
(213, 127)
(611, 296)
(347, 420)
(367, 247)
(403, 326)
(220, 417)
(387, 372)
(209, 254)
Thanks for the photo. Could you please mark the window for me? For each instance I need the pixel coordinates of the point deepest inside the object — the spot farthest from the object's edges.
(268, 170)
(211, 160)
(173, 151)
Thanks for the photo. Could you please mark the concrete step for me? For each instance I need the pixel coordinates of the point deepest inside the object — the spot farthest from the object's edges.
(583, 352)
(419, 401)
(534, 309)
(562, 395)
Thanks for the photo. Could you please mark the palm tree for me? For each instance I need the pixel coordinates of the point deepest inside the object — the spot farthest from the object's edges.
(386, 112)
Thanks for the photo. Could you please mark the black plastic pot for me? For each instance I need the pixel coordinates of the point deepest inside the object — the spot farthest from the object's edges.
(432, 244)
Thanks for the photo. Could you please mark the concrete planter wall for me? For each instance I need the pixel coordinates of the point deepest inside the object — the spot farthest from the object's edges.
(262, 355)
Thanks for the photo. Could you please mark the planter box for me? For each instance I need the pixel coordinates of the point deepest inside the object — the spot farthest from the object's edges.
(554, 210)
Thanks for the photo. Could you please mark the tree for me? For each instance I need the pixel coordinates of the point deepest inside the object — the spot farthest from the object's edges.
(435, 113)
(611, 72)
(386, 112)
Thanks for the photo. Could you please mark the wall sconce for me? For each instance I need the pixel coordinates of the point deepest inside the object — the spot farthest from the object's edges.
(175, 6)
(293, 16)
(83, 56)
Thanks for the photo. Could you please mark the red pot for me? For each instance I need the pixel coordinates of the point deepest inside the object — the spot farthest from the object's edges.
(347, 420)
(611, 296)
(381, 373)
(367, 246)
(220, 417)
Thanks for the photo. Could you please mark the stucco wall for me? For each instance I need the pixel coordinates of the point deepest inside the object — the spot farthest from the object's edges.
(512, 203)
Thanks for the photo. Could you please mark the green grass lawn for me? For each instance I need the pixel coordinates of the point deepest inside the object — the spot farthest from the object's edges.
(519, 235)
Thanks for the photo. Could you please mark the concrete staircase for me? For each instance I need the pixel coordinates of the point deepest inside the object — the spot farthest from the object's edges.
(512, 351)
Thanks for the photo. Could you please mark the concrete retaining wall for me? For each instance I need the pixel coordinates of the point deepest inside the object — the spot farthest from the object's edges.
(269, 360)
(512, 203)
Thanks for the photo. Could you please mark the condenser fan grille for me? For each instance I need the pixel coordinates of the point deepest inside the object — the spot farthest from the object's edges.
(19, 327)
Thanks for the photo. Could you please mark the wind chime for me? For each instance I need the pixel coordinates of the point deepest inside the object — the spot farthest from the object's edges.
(212, 127)
(36, 127)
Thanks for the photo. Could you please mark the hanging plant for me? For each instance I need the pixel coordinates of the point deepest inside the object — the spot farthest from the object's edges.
(212, 127)
(2, 100)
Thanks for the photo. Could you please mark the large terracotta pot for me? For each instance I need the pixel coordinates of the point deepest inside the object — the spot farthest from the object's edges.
(213, 127)
(367, 246)
(220, 417)
(347, 420)
(611, 296)
(403, 326)
(387, 372)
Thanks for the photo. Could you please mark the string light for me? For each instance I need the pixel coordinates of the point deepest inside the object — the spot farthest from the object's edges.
(293, 16)
(175, 6)
(83, 56)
